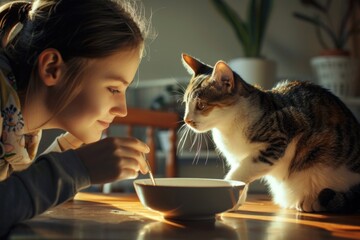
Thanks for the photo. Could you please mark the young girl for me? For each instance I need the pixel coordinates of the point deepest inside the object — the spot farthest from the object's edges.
(64, 64)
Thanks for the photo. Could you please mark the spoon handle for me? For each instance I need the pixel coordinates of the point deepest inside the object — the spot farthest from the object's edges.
(150, 172)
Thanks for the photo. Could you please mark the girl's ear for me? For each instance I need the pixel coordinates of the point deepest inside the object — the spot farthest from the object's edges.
(224, 76)
(50, 64)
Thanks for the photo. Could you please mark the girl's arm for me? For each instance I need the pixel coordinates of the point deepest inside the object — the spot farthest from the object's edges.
(51, 180)
(56, 177)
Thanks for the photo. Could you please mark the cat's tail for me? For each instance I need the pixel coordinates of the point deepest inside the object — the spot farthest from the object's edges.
(338, 202)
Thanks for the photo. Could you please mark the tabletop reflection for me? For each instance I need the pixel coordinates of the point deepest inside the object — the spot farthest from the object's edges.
(189, 230)
(99, 216)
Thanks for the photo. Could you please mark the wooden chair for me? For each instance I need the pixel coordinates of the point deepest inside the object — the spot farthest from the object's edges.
(152, 120)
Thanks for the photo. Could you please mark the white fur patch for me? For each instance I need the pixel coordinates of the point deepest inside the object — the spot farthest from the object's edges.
(304, 186)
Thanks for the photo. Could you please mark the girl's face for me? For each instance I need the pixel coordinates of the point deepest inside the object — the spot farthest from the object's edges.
(102, 97)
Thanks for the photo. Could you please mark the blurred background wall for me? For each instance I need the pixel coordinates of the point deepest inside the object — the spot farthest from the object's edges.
(196, 28)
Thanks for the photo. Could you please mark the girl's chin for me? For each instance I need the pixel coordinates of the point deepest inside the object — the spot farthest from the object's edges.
(91, 139)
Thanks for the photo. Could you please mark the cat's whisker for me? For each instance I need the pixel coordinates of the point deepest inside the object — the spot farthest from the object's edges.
(207, 137)
(197, 152)
(182, 140)
(219, 156)
(207, 148)
(198, 149)
(202, 137)
(181, 87)
(181, 127)
(179, 91)
(188, 136)
(179, 147)
(193, 139)
(196, 157)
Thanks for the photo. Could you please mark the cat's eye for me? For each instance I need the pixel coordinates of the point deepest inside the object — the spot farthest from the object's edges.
(200, 105)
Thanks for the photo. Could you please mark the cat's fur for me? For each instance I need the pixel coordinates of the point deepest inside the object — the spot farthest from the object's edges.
(301, 138)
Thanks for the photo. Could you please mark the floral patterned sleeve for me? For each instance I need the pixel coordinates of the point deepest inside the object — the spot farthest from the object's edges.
(18, 148)
(4, 167)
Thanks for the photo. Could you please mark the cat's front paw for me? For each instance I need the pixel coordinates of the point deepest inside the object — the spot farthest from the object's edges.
(309, 204)
(242, 198)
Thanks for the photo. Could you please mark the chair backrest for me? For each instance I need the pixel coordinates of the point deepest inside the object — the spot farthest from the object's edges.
(152, 120)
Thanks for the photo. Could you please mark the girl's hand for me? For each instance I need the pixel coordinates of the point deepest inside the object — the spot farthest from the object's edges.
(114, 158)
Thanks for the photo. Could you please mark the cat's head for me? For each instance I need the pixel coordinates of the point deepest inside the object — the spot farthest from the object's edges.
(211, 93)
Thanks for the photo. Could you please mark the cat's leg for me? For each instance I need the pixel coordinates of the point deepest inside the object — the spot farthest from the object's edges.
(247, 172)
(249, 169)
(242, 198)
(234, 175)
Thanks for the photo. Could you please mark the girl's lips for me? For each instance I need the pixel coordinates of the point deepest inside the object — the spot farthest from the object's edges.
(104, 124)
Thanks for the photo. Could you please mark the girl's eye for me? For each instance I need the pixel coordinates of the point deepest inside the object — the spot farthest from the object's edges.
(113, 91)
(200, 105)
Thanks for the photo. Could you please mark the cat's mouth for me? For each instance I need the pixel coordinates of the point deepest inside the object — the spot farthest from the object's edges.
(195, 127)
(192, 126)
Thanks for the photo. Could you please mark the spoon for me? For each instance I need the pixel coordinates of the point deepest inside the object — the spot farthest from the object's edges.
(150, 172)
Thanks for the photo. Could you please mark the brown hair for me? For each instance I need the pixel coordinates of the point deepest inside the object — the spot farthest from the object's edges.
(78, 29)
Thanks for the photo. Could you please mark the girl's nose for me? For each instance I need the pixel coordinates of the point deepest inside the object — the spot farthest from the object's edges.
(120, 110)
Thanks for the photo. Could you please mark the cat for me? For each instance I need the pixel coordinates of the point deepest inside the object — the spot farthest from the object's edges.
(300, 138)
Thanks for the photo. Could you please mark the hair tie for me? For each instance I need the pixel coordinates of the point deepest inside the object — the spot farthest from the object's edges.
(24, 12)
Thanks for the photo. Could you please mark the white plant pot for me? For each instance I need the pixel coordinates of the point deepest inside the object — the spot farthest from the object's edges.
(337, 73)
(255, 71)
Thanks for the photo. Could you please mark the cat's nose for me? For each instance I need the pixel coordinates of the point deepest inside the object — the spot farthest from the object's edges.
(189, 121)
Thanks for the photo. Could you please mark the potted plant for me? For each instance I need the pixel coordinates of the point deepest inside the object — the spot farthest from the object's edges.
(253, 67)
(334, 24)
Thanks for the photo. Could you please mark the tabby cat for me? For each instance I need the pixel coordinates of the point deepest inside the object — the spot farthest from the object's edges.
(298, 136)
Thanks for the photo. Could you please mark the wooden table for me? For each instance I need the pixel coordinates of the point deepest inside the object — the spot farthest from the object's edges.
(116, 216)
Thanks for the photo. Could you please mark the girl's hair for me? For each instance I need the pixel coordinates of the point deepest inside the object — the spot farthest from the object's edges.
(78, 29)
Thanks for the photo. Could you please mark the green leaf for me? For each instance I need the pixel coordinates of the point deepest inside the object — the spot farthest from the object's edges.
(264, 11)
(251, 32)
(318, 23)
(234, 20)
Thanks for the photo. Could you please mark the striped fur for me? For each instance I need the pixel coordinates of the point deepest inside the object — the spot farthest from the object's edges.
(298, 136)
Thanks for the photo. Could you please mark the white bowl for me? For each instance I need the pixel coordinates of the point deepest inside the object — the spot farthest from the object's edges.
(189, 198)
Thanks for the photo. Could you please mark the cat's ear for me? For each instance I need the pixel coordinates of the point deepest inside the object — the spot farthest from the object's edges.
(223, 75)
(194, 66)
